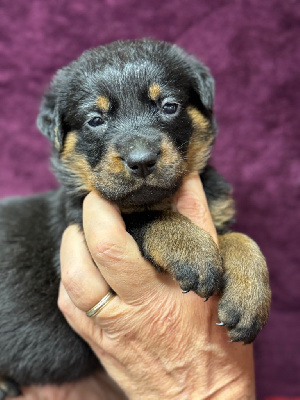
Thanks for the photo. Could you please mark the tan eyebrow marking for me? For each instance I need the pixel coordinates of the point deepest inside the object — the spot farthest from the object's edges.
(103, 103)
(154, 91)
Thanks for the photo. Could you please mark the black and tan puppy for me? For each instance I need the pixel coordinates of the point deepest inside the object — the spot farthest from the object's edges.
(128, 120)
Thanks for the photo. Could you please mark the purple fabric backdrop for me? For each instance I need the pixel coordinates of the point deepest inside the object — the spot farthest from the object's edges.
(251, 48)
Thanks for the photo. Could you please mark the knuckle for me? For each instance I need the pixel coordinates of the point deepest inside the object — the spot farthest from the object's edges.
(72, 282)
(190, 202)
(108, 251)
(193, 207)
(64, 305)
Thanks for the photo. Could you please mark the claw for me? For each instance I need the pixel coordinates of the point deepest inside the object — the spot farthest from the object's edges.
(206, 299)
(220, 323)
(185, 291)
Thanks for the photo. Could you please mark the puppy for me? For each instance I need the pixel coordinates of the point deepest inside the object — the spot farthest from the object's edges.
(129, 120)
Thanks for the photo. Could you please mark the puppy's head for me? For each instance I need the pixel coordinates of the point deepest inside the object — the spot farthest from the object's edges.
(129, 120)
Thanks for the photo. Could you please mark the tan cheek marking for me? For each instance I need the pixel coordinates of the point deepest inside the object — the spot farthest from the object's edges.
(154, 91)
(169, 153)
(114, 163)
(198, 119)
(111, 171)
(103, 103)
(77, 163)
(169, 158)
(200, 142)
(170, 163)
(70, 144)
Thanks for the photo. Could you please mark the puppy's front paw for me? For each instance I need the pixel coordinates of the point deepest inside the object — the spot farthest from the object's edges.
(243, 314)
(188, 253)
(202, 274)
(245, 302)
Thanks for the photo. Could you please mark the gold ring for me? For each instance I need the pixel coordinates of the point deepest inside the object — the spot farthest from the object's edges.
(102, 303)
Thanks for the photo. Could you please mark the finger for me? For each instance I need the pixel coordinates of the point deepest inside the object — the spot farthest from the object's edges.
(191, 202)
(114, 250)
(76, 318)
(80, 276)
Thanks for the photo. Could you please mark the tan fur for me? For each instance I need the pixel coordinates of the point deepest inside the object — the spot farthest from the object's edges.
(69, 146)
(111, 171)
(154, 91)
(200, 142)
(168, 233)
(169, 153)
(103, 103)
(247, 278)
(169, 157)
(114, 163)
(222, 210)
(77, 163)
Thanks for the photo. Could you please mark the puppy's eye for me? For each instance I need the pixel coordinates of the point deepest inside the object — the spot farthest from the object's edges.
(96, 121)
(170, 108)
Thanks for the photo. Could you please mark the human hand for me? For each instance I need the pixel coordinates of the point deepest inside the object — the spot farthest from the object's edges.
(154, 341)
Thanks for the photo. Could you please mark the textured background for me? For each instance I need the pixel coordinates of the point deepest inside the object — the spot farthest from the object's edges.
(251, 48)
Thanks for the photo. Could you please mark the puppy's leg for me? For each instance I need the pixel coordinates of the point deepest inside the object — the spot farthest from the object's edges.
(172, 243)
(245, 301)
(8, 388)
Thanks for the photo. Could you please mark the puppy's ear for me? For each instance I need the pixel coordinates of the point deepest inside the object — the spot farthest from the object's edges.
(204, 82)
(49, 120)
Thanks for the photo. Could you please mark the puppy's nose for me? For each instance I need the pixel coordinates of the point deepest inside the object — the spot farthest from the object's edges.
(142, 162)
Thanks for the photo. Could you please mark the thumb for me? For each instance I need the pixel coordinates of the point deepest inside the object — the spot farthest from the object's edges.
(191, 202)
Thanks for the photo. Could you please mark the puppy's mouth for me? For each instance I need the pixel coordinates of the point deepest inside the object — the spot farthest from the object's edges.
(128, 195)
(147, 195)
